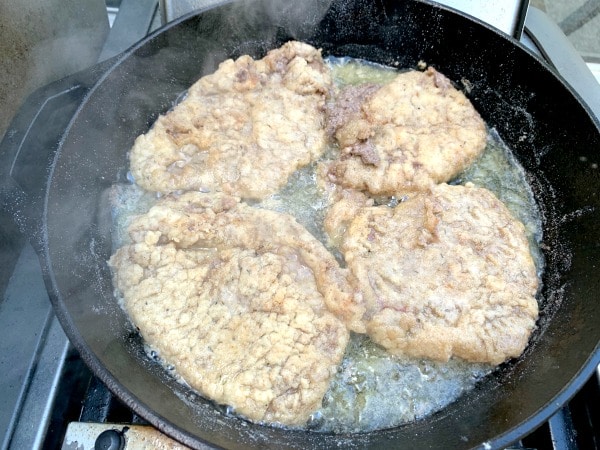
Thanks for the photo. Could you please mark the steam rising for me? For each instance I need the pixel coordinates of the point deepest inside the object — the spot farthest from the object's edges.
(289, 19)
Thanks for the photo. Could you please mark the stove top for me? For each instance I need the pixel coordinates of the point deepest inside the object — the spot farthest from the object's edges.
(50, 398)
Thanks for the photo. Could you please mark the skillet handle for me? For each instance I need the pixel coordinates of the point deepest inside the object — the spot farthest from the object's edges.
(30, 145)
(560, 53)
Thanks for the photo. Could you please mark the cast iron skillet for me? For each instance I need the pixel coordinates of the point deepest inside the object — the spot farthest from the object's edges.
(539, 117)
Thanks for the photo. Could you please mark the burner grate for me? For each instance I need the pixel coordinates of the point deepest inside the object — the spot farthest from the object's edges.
(84, 398)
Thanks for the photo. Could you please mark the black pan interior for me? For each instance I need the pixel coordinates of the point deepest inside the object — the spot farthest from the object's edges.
(552, 134)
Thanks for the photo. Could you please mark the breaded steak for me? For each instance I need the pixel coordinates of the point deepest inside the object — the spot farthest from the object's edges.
(241, 130)
(236, 298)
(402, 137)
(448, 272)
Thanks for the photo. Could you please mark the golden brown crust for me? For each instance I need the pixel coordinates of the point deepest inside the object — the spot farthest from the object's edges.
(447, 272)
(407, 135)
(241, 130)
(237, 299)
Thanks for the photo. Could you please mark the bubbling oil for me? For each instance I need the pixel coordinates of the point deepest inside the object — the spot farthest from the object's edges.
(373, 389)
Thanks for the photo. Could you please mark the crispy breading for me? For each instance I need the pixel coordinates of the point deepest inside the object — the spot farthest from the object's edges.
(416, 131)
(241, 130)
(447, 272)
(237, 299)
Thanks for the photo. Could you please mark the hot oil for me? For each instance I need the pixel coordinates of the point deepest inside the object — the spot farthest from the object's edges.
(128, 200)
(351, 71)
(301, 198)
(373, 389)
